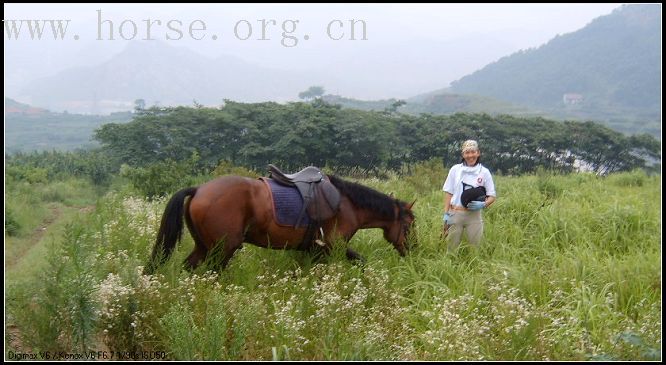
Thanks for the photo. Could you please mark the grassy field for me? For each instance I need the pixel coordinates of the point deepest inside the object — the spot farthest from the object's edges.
(570, 269)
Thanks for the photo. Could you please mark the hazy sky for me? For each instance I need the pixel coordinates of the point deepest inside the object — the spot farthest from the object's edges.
(311, 44)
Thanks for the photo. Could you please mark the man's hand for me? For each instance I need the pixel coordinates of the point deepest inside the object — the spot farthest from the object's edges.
(447, 218)
(476, 205)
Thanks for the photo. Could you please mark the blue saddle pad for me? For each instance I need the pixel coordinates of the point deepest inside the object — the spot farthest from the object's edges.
(287, 205)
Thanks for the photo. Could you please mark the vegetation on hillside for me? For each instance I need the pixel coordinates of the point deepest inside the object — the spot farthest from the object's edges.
(300, 134)
(614, 63)
(32, 129)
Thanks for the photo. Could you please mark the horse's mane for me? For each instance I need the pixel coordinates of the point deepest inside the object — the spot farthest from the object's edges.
(366, 198)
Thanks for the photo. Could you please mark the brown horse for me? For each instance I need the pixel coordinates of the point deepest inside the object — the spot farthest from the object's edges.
(234, 209)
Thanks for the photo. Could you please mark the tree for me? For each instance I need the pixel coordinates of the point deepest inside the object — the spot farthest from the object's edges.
(312, 93)
(393, 108)
(139, 104)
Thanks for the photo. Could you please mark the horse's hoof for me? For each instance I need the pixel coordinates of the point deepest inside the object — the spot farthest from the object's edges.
(320, 242)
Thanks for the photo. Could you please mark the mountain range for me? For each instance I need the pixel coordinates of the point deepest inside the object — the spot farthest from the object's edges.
(159, 74)
(608, 71)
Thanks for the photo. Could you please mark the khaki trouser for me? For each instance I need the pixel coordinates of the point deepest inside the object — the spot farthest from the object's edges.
(469, 221)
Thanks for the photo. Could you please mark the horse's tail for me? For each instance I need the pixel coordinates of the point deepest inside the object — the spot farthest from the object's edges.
(171, 229)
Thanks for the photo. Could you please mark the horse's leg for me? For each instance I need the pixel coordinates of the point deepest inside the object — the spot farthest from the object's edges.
(342, 232)
(219, 217)
(195, 258)
(230, 247)
(221, 250)
(200, 250)
(354, 256)
(319, 252)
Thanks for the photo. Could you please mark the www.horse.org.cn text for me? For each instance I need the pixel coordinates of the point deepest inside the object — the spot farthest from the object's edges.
(285, 31)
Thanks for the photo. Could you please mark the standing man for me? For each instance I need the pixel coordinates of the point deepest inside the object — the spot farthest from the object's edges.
(468, 189)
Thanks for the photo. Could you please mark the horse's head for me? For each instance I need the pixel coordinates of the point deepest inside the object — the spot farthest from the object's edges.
(400, 231)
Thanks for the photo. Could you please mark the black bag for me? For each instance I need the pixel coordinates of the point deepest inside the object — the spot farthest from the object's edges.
(471, 193)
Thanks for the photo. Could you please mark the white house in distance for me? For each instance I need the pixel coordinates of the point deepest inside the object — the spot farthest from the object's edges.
(572, 99)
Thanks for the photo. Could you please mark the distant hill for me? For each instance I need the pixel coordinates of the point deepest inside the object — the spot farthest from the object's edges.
(35, 129)
(109, 76)
(439, 102)
(159, 73)
(14, 107)
(446, 102)
(609, 71)
(351, 103)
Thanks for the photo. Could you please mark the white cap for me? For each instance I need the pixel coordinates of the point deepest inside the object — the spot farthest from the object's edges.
(470, 144)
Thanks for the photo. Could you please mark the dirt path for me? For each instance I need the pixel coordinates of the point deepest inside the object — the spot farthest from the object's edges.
(55, 214)
(12, 331)
(34, 238)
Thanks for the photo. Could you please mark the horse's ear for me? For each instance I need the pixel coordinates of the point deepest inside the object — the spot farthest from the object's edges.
(391, 195)
(409, 206)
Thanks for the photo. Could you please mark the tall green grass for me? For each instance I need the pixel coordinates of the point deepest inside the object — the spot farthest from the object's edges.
(570, 269)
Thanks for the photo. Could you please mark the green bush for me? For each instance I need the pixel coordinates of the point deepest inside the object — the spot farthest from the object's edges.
(161, 178)
(60, 306)
(227, 168)
(427, 176)
(12, 226)
(635, 178)
(27, 173)
(547, 184)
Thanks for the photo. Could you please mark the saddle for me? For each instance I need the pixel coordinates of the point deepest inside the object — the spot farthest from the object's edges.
(321, 199)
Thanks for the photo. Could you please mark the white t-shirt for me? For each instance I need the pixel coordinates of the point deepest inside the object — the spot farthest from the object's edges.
(476, 176)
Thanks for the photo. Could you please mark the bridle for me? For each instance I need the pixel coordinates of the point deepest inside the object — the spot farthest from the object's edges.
(404, 226)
